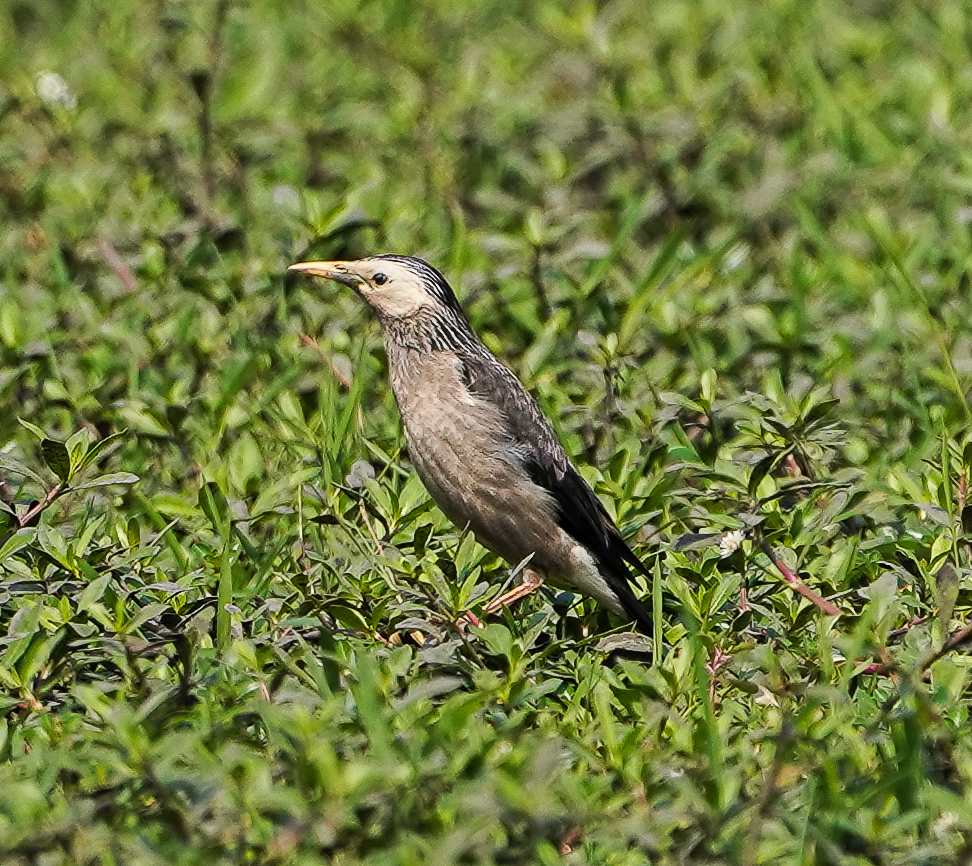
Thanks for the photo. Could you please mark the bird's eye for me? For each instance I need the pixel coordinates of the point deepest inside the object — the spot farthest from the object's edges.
(379, 279)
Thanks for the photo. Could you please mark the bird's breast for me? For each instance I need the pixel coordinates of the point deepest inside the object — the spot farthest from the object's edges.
(460, 447)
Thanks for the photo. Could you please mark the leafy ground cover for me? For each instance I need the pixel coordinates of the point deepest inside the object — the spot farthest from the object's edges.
(726, 244)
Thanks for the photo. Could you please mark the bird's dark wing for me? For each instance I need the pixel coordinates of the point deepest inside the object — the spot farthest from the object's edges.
(579, 511)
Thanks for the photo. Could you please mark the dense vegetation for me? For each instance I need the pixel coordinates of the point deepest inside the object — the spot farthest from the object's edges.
(728, 246)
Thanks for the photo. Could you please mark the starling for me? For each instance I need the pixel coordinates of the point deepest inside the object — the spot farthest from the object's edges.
(482, 447)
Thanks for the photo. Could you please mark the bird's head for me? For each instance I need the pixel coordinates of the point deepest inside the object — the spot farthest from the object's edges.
(396, 287)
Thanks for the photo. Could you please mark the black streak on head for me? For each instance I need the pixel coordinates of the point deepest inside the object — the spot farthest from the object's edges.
(435, 284)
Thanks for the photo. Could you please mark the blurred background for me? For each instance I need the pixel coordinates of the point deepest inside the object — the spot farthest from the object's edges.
(778, 191)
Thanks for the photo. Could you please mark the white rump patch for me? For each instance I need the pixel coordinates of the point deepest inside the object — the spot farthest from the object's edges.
(587, 578)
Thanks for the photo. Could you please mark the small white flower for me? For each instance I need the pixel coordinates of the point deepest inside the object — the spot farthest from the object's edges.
(54, 90)
(731, 542)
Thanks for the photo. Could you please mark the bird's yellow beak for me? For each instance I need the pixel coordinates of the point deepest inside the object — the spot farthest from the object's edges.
(341, 272)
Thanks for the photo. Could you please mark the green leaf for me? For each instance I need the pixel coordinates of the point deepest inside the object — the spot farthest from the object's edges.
(92, 592)
(139, 418)
(498, 638)
(709, 383)
(35, 659)
(946, 586)
(77, 446)
(760, 471)
(142, 616)
(173, 505)
(124, 478)
(57, 458)
(819, 411)
(40, 434)
(213, 503)
(96, 450)
(15, 468)
(245, 461)
(18, 541)
(11, 324)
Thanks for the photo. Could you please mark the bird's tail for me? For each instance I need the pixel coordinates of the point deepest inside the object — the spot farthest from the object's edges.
(630, 603)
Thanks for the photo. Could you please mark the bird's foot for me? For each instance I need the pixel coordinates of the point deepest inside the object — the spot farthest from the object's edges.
(469, 618)
(532, 581)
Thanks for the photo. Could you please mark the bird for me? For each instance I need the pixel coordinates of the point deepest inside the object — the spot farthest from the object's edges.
(481, 445)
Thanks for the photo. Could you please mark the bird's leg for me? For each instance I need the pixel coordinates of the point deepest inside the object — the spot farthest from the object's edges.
(532, 581)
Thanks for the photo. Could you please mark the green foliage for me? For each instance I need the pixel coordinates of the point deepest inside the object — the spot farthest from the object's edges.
(726, 244)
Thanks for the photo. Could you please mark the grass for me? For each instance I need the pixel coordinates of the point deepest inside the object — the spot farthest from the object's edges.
(728, 247)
